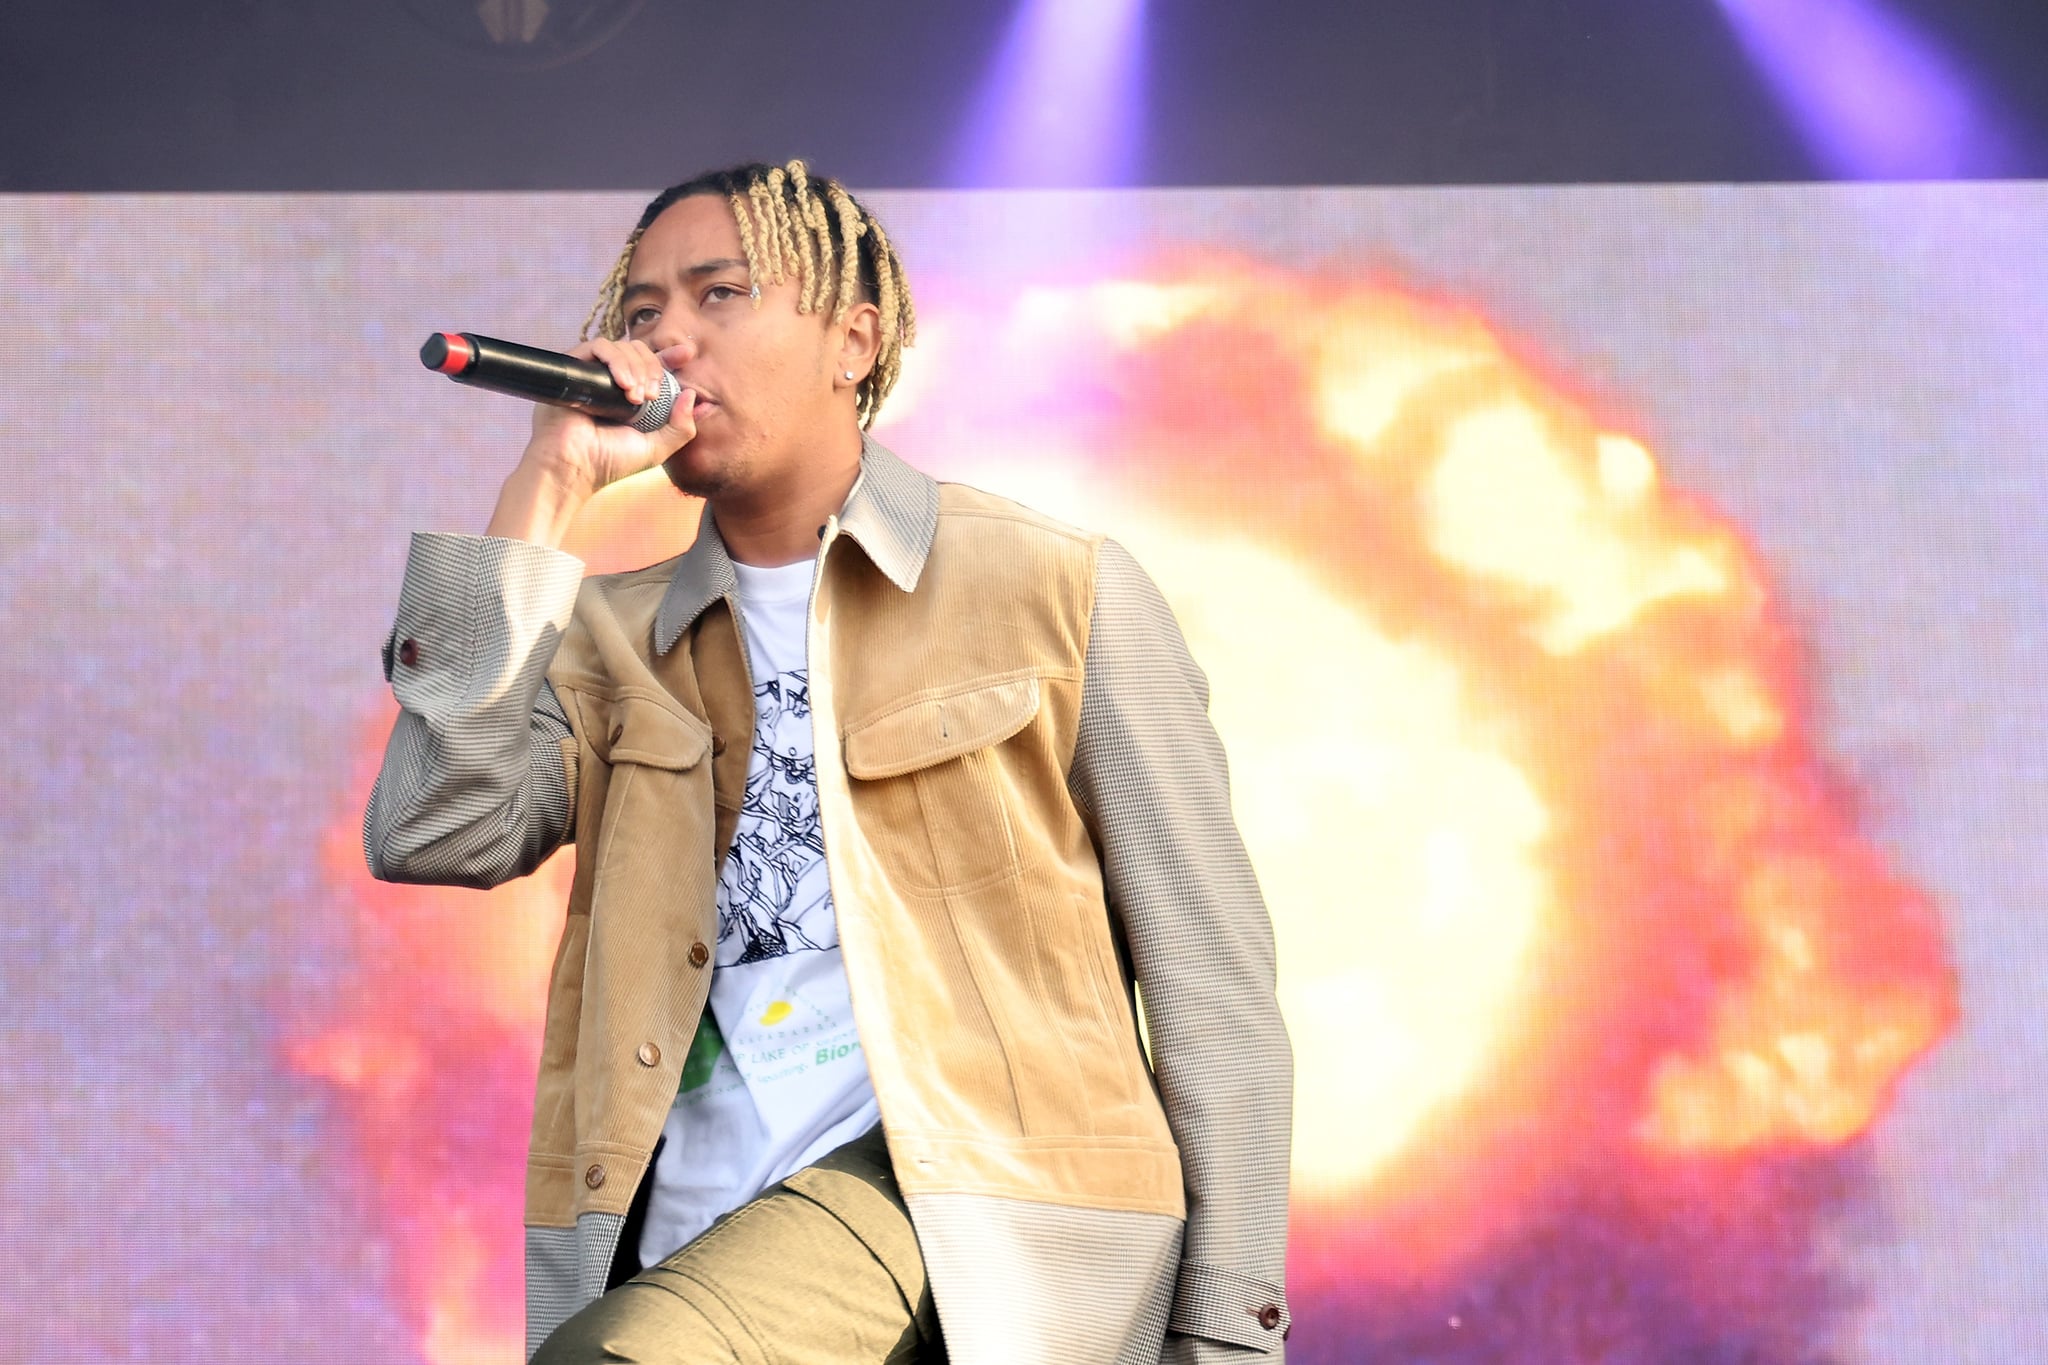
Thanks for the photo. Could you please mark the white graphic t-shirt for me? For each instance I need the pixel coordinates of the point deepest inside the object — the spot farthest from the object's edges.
(776, 1077)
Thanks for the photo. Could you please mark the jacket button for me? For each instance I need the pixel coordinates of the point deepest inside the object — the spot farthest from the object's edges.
(649, 1055)
(594, 1177)
(699, 954)
(409, 653)
(1269, 1316)
(717, 745)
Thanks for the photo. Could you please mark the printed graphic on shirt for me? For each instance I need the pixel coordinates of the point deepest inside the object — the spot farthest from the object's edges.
(777, 900)
(783, 1047)
(775, 1077)
(705, 1050)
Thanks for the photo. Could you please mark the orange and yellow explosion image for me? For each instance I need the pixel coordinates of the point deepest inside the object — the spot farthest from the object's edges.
(1595, 987)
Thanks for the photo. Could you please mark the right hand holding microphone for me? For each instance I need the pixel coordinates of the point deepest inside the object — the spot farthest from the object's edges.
(599, 418)
(569, 443)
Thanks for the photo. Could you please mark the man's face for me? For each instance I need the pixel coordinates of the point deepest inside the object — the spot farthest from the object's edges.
(763, 376)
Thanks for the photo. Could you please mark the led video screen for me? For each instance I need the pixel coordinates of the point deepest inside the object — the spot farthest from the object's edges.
(1621, 608)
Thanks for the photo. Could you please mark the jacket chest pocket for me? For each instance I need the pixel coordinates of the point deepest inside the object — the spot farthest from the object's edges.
(658, 790)
(643, 731)
(932, 787)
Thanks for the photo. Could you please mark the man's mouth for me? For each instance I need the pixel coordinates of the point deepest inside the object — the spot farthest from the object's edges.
(700, 401)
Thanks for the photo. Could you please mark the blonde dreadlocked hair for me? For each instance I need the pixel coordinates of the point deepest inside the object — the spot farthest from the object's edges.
(793, 226)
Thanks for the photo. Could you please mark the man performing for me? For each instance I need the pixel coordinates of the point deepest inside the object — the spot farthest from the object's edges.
(885, 795)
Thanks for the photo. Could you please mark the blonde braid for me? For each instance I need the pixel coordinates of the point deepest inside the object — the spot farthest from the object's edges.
(802, 238)
(850, 229)
(885, 284)
(745, 220)
(768, 270)
(785, 228)
(828, 256)
(883, 376)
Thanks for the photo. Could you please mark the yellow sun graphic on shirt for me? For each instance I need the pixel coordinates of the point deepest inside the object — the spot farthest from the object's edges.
(775, 1014)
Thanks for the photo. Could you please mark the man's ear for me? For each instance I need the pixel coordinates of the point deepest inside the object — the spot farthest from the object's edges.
(861, 342)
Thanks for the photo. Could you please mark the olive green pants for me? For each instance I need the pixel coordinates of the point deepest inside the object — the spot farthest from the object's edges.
(822, 1269)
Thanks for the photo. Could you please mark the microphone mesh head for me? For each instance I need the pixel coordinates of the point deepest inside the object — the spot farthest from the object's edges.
(653, 414)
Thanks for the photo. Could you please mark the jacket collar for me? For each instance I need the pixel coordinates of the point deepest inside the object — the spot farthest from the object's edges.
(892, 512)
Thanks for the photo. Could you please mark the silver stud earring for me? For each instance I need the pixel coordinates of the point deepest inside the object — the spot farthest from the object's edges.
(849, 374)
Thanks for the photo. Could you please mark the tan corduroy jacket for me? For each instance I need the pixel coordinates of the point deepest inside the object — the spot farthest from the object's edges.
(1024, 810)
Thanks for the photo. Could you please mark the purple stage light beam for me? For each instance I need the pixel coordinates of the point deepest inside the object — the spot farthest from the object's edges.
(1873, 99)
(1062, 104)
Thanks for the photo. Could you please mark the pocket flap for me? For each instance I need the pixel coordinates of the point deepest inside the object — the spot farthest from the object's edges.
(938, 728)
(646, 732)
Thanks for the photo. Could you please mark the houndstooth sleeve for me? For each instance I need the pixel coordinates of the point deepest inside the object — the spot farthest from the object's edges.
(1149, 773)
(476, 784)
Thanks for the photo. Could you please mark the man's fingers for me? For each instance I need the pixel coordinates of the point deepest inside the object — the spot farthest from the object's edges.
(649, 368)
(682, 417)
(634, 368)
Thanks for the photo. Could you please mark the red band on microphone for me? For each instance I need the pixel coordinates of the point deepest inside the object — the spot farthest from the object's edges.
(461, 355)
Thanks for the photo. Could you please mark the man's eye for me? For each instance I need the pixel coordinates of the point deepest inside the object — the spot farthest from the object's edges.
(718, 292)
(641, 317)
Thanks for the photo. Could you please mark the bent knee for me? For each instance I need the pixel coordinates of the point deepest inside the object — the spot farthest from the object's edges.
(638, 1324)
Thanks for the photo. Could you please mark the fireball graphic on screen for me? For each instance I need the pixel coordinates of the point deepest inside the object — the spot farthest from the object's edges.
(1593, 983)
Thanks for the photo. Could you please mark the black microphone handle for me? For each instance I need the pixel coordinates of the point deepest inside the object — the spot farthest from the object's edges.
(545, 377)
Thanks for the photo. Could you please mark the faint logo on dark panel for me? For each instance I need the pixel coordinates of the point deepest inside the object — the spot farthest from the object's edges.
(525, 34)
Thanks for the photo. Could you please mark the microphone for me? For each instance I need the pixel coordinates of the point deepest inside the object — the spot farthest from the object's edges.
(545, 377)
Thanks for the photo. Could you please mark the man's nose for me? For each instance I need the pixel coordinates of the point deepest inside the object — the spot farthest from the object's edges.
(674, 348)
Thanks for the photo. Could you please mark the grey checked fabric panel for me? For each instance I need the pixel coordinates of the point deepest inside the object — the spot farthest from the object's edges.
(1212, 1304)
(1020, 1269)
(473, 791)
(1150, 775)
(565, 1271)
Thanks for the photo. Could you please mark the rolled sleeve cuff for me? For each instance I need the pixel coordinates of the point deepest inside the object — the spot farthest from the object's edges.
(1223, 1305)
(474, 601)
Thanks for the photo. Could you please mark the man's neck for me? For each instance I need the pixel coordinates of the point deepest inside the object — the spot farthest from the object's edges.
(780, 526)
